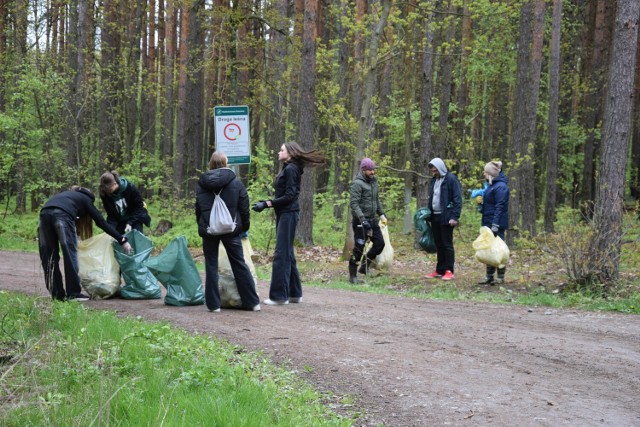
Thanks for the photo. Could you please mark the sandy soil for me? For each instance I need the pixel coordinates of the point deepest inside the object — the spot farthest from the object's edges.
(424, 363)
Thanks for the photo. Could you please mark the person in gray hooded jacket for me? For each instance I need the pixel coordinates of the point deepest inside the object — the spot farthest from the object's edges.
(445, 203)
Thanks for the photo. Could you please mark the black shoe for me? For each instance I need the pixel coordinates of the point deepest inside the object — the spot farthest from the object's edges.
(353, 273)
(487, 281)
(365, 267)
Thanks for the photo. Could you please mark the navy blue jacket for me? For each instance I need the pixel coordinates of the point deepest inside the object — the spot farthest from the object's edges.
(287, 188)
(495, 203)
(234, 195)
(450, 198)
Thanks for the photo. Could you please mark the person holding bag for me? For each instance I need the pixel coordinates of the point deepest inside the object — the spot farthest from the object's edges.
(222, 181)
(366, 208)
(495, 211)
(123, 203)
(61, 218)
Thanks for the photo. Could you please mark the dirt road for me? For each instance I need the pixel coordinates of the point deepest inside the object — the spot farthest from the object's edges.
(425, 363)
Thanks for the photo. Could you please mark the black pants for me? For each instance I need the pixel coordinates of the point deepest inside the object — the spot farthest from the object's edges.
(240, 269)
(57, 231)
(285, 277)
(360, 240)
(443, 238)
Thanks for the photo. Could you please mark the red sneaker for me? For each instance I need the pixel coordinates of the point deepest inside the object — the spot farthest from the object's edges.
(448, 275)
(434, 275)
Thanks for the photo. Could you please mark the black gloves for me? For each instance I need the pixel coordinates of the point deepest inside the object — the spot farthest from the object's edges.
(495, 228)
(366, 227)
(260, 206)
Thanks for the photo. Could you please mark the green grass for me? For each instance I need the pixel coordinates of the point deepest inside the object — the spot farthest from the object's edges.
(113, 371)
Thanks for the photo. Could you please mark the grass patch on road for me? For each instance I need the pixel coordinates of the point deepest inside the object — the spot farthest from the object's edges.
(63, 364)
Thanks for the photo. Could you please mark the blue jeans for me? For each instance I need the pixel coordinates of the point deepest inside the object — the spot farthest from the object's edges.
(241, 273)
(57, 230)
(285, 277)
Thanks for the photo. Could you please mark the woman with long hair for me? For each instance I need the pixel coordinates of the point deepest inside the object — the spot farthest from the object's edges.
(285, 279)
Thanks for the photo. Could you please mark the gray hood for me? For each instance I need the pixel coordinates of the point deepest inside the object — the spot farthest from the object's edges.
(439, 164)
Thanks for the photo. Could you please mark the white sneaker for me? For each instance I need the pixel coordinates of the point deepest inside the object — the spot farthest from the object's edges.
(295, 300)
(256, 308)
(272, 302)
(217, 310)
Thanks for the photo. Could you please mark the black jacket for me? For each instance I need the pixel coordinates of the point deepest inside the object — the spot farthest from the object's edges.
(287, 188)
(80, 203)
(135, 214)
(233, 193)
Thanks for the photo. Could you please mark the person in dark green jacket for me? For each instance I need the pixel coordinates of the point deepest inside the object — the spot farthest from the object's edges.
(366, 209)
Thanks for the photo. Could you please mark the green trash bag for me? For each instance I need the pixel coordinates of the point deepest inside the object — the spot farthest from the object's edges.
(139, 283)
(426, 241)
(421, 218)
(421, 222)
(177, 271)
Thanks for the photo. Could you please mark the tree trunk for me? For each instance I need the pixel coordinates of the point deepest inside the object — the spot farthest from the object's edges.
(554, 100)
(593, 104)
(615, 139)
(425, 144)
(181, 158)
(167, 101)
(522, 210)
(444, 146)
(307, 121)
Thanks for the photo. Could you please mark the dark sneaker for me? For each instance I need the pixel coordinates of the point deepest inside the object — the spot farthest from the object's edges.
(295, 300)
(78, 297)
(487, 281)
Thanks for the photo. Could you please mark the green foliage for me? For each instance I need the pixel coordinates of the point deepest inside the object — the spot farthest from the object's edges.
(128, 372)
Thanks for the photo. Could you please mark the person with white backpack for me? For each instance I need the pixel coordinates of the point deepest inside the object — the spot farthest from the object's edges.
(222, 214)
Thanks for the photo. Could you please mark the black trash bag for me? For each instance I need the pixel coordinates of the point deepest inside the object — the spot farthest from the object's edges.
(139, 283)
(175, 269)
(421, 222)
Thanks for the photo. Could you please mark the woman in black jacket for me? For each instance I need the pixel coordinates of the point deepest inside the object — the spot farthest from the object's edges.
(57, 230)
(123, 203)
(223, 181)
(285, 278)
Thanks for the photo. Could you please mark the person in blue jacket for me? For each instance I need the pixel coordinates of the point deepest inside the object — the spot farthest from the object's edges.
(445, 203)
(285, 278)
(495, 211)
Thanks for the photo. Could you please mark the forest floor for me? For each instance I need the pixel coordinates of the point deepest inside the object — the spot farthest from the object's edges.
(402, 361)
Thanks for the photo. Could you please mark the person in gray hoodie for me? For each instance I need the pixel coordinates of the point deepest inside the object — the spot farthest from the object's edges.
(445, 203)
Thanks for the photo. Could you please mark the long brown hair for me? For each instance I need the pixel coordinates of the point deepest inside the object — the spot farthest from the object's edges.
(305, 158)
(84, 224)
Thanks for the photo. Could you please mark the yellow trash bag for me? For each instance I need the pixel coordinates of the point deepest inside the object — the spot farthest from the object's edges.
(384, 260)
(229, 296)
(99, 270)
(491, 250)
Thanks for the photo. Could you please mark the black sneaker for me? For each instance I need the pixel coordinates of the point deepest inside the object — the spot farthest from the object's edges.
(78, 297)
(487, 281)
